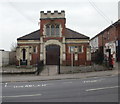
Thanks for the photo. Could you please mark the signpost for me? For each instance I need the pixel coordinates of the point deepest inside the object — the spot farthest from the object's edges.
(59, 65)
(72, 50)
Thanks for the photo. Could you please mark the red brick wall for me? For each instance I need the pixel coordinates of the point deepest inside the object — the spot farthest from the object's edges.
(100, 40)
(36, 56)
(118, 31)
(107, 36)
(81, 56)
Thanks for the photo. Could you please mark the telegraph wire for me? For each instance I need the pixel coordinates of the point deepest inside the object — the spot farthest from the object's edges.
(99, 11)
(19, 11)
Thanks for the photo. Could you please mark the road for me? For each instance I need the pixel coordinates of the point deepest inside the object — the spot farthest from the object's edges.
(95, 89)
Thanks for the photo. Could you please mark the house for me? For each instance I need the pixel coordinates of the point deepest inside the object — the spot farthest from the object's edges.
(107, 43)
(53, 43)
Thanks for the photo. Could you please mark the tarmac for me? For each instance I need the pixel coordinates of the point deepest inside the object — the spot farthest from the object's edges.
(33, 77)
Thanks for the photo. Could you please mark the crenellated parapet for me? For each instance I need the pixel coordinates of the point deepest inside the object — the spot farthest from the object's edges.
(51, 15)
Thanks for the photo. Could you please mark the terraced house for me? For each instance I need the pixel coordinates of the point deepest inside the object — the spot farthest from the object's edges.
(53, 43)
(106, 45)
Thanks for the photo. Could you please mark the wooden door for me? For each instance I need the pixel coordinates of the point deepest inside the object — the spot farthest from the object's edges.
(52, 55)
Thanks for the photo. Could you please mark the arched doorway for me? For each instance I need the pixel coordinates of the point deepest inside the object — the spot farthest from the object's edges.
(24, 54)
(52, 55)
(23, 61)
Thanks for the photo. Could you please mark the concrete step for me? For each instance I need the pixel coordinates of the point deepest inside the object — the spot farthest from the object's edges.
(49, 70)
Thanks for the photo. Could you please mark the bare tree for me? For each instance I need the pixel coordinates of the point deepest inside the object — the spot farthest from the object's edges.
(13, 46)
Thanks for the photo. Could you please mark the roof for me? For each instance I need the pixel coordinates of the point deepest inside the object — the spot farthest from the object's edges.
(69, 34)
(113, 25)
(31, 36)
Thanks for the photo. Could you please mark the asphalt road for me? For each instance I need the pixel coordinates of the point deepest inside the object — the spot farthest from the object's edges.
(96, 89)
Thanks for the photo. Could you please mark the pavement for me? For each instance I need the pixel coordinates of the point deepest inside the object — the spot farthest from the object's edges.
(33, 77)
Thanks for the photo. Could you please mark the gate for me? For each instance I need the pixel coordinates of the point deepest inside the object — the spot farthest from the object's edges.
(52, 55)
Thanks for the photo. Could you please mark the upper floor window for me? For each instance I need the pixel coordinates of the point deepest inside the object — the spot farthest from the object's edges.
(52, 29)
(48, 30)
(57, 30)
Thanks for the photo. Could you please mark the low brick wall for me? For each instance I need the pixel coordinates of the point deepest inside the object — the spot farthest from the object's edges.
(76, 69)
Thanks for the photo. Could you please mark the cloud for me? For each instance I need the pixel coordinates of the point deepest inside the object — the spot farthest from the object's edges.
(20, 17)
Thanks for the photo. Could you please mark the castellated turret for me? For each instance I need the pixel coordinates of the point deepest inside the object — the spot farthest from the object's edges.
(53, 15)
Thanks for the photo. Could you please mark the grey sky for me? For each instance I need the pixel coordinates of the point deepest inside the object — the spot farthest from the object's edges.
(20, 17)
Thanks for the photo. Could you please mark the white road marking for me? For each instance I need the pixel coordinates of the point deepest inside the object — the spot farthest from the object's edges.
(67, 82)
(18, 86)
(5, 84)
(113, 75)
(95, 89)
(27, 86)
(92, 81)
(95, 77)
(20, 96)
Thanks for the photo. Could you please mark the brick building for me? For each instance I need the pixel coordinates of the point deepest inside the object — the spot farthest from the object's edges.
(106, 43)
(53, 43)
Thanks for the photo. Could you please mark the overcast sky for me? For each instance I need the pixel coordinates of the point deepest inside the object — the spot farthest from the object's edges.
(20, 17)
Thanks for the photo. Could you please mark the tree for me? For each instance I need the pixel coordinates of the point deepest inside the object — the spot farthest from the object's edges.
(13, 46)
